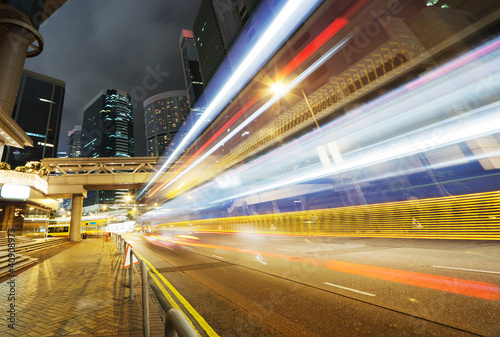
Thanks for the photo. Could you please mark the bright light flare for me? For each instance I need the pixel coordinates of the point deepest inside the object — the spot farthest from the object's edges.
(279, 89)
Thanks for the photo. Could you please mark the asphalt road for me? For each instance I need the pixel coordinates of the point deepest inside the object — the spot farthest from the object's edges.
(245, 285)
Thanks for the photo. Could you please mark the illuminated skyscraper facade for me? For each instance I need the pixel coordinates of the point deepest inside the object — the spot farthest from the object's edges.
(192, 74)
(215, 29)
(75, 142)
(38, 111)
(108, 131)
(164, 114)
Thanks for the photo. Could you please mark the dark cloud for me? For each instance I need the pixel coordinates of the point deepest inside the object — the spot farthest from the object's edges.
(94, 45)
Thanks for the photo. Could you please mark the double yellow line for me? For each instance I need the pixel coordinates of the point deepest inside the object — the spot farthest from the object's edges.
(155, 275)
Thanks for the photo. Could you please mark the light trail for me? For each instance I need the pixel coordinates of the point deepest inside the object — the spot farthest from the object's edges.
(263, 108)
(204, 146)
(396, 112)
(384, 153)
(292, 13)
(408, 143)
(309, 50)
(472, 270)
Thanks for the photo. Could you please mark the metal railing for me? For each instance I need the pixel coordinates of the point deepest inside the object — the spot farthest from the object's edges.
(176, 323)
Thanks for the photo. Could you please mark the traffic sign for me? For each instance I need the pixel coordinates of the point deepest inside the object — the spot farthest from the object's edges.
(126, 261)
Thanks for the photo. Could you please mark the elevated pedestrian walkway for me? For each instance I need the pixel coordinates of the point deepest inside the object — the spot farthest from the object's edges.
(77, 292)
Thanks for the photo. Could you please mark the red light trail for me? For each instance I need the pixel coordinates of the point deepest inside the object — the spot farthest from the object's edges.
(318, 42)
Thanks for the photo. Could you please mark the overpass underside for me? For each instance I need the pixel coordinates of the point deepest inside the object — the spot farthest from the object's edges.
(73, 177)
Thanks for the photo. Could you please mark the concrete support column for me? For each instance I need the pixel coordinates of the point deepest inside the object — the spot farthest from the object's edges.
(8, 217)
(76, 217)
(12, 56)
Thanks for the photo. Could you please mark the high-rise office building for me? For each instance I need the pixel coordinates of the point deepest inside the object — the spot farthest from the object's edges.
(215, 28)
(107, 131)
(164, 114)
(75, 142)
(192, 74)
(38, 111)
(217, 25)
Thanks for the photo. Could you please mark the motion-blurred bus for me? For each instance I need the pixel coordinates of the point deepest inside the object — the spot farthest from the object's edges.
(89, 225)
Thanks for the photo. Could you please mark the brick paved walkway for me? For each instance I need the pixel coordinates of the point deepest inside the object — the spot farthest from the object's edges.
(78, 292)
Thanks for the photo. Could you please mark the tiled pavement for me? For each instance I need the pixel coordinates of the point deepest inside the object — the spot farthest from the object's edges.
(78, 292)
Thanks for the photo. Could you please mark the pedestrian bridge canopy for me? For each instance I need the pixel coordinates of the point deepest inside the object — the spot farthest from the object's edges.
(72, 177)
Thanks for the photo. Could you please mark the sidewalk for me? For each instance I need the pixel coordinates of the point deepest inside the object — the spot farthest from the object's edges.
(78, 292)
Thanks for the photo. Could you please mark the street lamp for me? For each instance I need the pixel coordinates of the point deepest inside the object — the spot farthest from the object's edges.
(129, 198)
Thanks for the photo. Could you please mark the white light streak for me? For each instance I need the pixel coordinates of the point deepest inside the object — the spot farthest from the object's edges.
(293, 12)
(265, 107)
(473, 270)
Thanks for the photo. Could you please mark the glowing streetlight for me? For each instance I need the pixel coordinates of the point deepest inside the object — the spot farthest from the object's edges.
(128, 199)
(279, 89)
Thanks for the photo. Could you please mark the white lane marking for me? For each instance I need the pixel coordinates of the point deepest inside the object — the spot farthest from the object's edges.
(217, 256)
(285, 250)
(465, 269)
(350, 289)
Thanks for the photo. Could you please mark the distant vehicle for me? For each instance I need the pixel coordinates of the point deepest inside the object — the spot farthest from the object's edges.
(58, 231)
(90, 228)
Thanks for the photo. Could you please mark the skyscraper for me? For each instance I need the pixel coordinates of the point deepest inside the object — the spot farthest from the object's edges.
(75, 142)
(38, 111)
(215, 28)
(192, 74)
(164, 115)
(108, 131)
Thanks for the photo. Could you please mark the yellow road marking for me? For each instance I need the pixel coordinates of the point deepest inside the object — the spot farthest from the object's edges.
(184, 302)
(167, 295)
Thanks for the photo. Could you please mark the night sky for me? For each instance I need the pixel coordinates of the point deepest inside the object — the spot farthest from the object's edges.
(114, 44)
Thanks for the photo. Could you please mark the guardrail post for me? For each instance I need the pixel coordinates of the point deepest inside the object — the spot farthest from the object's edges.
(176, 324)
(145, 300)
(131, 275)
